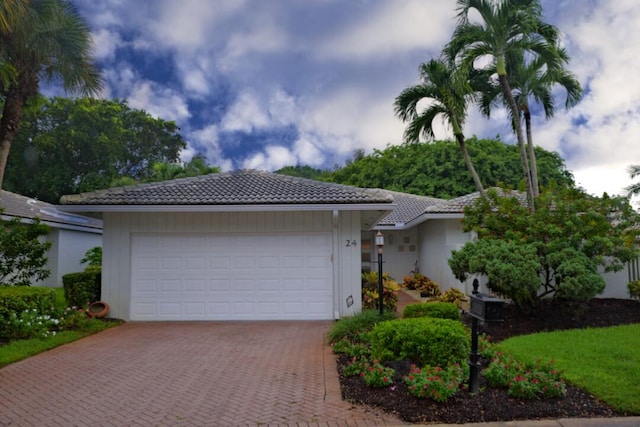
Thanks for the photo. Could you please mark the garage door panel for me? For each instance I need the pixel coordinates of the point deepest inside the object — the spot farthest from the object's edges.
(232, 276)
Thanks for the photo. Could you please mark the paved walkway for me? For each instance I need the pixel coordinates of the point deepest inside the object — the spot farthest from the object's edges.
(184, 373)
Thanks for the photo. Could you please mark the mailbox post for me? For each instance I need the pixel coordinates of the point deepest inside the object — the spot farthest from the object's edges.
(380, 245)
(484, 308)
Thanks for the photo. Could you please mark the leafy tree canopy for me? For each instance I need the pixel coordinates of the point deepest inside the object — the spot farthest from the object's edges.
(166, 171)
(555, 250)
(66, 146)
(305, 172)
(438, 170)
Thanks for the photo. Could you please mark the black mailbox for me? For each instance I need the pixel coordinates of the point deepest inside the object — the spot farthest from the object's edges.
(487, 308)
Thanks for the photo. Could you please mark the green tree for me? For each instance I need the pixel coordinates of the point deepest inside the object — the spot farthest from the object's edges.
(67, 146)
(11, 13)
(555, 250)
(506, 26)
(23, 253)
(446, 93)
(50, 43)
(305, 172)
(438, 170)
(534, 80)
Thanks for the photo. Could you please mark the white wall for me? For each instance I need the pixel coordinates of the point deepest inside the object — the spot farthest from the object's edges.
(68, 247)
(399, 254)
(437, 238)
(118, 227)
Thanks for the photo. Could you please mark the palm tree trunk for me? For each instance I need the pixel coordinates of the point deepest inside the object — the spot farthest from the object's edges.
(506, 91)
(9, 123)
(532, 154)
(467, 160)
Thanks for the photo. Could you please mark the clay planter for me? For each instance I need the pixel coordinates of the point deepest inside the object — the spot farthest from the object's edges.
(98, 309)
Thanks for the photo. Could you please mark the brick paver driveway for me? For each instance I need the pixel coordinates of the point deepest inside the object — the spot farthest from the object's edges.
(184, 373)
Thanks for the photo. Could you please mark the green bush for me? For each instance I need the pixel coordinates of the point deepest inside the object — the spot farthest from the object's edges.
(18, 299)
(424, 341)
(354, 327)
(453, 295)
(81, 288)
(441, 310)
(634, 289)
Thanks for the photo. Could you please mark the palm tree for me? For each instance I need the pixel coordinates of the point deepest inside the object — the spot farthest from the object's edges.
(633, 189)
(506, 26)
(534, 80)
(51, 43)
(11, 12)
(446, 94)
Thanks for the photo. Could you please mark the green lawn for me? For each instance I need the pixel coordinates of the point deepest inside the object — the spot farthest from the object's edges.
(604, 361)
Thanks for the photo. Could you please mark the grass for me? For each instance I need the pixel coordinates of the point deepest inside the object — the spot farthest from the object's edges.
(17, 350)
(603, 361)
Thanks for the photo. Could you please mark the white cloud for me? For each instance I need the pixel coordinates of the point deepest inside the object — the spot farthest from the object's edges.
(158, 101)
(252, 112)
(396, 26)
(106, 42)
(274, 157)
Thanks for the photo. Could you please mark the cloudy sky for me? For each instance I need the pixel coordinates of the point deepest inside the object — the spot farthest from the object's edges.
(266, 84)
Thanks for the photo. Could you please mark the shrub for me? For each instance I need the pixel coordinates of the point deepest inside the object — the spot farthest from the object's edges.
(376, 375)
(634, 289)
(29, 324)
(421, 283)
(454, 296)
(435, 383)
(18, 299)
(425, 341)
(441, 310)
(345, 346)
(353, 328)
(22, 252)
(81, 288)
(370, 295)
(502, 369)
(93, 257)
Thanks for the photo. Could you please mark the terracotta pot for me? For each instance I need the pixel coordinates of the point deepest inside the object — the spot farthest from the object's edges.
(98, 309)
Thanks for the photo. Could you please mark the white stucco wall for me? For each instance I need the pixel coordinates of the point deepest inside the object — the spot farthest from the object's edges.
(399, 255)
(68, 247)
(118, 227)
(437, 238)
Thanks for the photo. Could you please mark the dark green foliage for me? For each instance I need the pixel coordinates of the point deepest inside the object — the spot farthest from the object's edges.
(438, 170)
(305, 172)
(440, 310)
(352, 328)
(424, 341)
(66, 146)
(93, 257)
(22, 254)
(82, 288)
(555, 250)
(17, 299)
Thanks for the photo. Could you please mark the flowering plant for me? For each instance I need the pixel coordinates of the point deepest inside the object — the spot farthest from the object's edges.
(377, 375)
(75, 318)
(435, 383)
(502, 369)
(30, 324)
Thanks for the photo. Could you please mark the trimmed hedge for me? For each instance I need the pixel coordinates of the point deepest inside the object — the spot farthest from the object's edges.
(440, 310)
(16, 299)
(425, 341)
(82, 288)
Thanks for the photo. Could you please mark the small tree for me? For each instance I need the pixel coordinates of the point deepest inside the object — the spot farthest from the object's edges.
(554, 251)
(22, 253)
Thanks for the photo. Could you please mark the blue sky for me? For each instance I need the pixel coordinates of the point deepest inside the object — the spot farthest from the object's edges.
(266, 84)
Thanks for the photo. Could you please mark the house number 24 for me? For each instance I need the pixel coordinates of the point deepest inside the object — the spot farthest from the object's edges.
(351, 243)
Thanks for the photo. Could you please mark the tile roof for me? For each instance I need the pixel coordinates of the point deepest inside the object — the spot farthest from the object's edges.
(458, 204)
(244, 187)
(409, 207)
(17, 206)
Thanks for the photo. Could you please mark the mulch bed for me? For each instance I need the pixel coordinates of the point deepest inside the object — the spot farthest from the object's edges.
(492, 404)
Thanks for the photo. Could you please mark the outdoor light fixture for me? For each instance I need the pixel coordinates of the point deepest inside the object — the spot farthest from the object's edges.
(379, 245)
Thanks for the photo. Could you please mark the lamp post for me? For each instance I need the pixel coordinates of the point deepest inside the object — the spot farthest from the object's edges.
(379, 245)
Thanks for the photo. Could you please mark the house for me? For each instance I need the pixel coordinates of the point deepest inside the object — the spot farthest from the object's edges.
(71, 236)
(252, 245)
(244, 245)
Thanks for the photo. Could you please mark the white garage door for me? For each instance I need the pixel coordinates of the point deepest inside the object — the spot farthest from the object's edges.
(231, 276)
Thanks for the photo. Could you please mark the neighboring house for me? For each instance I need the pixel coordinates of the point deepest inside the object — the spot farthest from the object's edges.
(244, 245)
(70, 235)
(251, 245)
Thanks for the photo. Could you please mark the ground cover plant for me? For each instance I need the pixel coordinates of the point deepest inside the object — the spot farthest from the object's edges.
(563, 396)
(28, 332)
